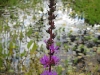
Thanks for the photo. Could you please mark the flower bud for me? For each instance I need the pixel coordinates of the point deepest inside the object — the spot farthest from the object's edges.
(52, 9)
(53, 35)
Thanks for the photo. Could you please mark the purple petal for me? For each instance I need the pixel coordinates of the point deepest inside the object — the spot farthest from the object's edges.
(51, 47)
(44, 60)
(56, 59)
(56, 48)
(45, 41)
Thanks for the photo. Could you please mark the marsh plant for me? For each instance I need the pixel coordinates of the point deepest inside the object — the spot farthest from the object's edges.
(51, 59)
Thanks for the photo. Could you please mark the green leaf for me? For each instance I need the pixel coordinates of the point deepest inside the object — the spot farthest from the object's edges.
(58, 43)
(21, 35)
(6, 28)
(23, 54)
(11, 45)
(29, 44)
(66, 62)
(75, 61)
(96, 68)
(89, 74)
(29, 32)
(28, 73)
(1, 48)
(35, 46)
(4, 55)
(11, 48)
(1, 29)
(11, 71)
(14, 36)
(1, 62)
(59, 70)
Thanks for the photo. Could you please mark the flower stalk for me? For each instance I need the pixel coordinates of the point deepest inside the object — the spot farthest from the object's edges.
(50, 59)
(51, 23)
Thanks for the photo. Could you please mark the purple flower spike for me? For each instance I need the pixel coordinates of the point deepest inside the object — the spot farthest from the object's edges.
(53, 48)
(46, 72)
(50, 60)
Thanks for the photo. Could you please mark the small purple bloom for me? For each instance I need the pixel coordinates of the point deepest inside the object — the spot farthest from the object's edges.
(45, 41)
(46, 72)
(45, 60)
(55, 60)
(53, 48)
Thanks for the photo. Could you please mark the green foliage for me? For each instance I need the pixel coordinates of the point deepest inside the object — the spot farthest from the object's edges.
(87, 37)
(1, 28)
(29, 44)
(11, 47)
(1, 48)
(59, 70)
(11, 71)
(23, 54)
(12, 2)
(21, 35)
(35, 46)
(6, 28)
(8, 2)
(12, 16)
(2, 55)
(88, 73)
(1, 62)
(66, 62)
(88, 9)
(58, 43)
(66, 47)
(75, 61)
(29, 32)
(98, 50)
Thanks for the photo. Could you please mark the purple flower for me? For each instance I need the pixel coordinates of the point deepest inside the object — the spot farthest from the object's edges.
(45, 60)
(55, 60)
(53, 48)
(46, 72)
(45, 41)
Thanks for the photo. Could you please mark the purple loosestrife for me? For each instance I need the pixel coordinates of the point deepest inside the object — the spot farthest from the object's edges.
(50, 60)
